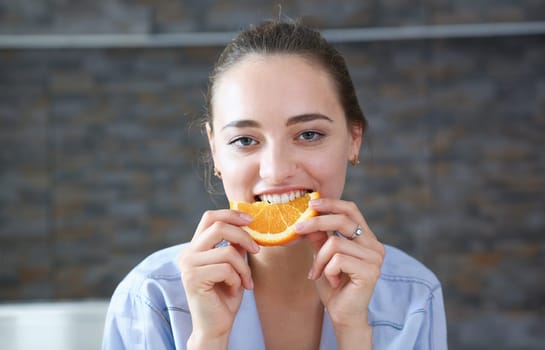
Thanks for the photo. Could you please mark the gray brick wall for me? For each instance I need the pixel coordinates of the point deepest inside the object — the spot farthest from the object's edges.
(143, 16)
(455, 174)
(98, 165)
(100, 150)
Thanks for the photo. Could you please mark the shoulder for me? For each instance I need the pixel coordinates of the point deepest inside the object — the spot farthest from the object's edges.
(405, 288)
(155, 281)
(146, 303)
(159, 266)
(400, 267)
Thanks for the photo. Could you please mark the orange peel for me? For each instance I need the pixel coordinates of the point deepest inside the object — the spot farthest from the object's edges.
(274, 223)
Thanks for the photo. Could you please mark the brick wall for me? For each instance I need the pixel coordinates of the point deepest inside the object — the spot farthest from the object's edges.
(455, 174)
(100, 151)
(145, 16)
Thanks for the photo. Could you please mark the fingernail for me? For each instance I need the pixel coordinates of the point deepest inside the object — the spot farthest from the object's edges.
(255, 247)
(299, 226)
(315, 202)
(310, 274)
(245, 217)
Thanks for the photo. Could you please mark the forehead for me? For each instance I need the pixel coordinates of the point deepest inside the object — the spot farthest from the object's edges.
(274, 85)
(266, 67)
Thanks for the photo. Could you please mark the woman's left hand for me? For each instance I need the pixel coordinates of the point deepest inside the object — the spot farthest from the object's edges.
(346, 269)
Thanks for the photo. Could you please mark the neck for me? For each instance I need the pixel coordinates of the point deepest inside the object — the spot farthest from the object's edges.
(283, 269)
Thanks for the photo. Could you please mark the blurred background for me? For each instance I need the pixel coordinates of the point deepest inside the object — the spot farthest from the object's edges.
(100, 145)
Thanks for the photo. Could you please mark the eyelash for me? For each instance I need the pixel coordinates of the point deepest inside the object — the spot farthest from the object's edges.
(315, 136)
(237, 141)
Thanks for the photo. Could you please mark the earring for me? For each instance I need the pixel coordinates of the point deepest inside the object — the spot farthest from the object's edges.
(355, 161)
(217, 173)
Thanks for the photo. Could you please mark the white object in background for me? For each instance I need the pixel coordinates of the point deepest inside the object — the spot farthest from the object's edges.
(52, 325)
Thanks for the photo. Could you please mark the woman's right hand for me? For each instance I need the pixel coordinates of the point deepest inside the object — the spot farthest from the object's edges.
(214, 278)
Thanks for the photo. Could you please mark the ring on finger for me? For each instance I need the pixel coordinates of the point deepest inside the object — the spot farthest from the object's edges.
(357, 232)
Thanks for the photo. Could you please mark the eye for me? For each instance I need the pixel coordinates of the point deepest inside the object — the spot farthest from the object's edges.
(310, 135)
(243, 141)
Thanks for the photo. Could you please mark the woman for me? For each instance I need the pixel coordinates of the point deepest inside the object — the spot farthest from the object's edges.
(283, 118)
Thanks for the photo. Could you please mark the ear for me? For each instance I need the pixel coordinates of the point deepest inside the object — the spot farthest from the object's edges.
(210, 135)
(356, 135)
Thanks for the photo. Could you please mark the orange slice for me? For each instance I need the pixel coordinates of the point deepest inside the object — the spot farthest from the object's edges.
(274, 223)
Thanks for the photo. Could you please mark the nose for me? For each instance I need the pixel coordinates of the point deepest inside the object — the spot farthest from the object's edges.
(277, 163)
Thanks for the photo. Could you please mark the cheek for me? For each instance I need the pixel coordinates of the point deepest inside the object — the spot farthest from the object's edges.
(237, 176)
(329, 171)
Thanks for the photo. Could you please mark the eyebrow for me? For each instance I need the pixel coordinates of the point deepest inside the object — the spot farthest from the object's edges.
(243, 123)
(248, 123)
(307, 118)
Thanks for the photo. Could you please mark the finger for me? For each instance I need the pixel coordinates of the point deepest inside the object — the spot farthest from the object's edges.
(224, 215)
(335, 246)
(224, 273)
(337, 206)
(220, 231)
(326, 223)
(332, 222)
(359, 273)
(204, 278)
(229, 255)
(333, 270)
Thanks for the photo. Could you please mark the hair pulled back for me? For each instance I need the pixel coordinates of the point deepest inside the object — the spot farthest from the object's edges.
(280, 37)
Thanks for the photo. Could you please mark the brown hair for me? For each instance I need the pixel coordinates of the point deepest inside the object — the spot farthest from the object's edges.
(280, 37)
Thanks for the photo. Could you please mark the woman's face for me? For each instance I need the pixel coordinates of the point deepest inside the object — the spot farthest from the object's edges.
(278, 129)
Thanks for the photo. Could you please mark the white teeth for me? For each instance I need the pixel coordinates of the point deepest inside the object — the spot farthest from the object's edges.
(282, 198)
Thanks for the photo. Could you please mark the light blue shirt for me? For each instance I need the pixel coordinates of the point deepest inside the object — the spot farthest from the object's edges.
(149, 309)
